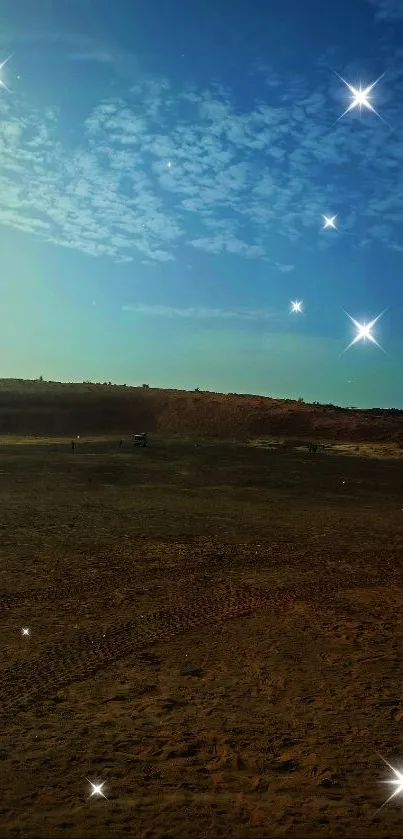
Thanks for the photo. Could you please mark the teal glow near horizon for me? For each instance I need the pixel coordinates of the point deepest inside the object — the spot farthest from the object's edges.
(165, 173)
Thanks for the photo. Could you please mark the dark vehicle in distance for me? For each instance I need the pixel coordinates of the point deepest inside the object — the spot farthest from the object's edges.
(140, 439)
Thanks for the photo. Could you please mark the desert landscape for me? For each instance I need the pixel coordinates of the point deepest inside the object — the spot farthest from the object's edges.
(212, 623)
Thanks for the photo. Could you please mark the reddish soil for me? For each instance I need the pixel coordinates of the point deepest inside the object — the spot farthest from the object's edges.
(215, 630)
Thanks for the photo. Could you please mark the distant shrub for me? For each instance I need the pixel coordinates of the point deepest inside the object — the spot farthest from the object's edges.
(141, 385)
(300, 399)
(197, 389)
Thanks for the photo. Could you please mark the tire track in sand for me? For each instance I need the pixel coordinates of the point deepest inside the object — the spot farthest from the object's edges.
(63, 664)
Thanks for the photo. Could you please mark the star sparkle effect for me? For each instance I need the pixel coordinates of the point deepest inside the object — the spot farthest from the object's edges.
(96, 789)
(360, 97)
(25, 631)
(2, 84)
(329, 221)
(397, 782)
(364, 332)
(296, 306)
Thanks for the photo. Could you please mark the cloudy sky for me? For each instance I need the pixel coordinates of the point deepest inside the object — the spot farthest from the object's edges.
(164, 172)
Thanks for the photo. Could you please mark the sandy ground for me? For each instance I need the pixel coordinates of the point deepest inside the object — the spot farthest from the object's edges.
(215, 634)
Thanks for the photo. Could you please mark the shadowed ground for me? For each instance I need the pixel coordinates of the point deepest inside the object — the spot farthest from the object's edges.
(215, 632)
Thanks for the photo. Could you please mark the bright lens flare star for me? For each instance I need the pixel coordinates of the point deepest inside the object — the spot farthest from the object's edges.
(397, 782)
(364, 332)
(329, 221)
(360, 97)
(25, 630)
(96, 789)
(1, 81)
(296, 306)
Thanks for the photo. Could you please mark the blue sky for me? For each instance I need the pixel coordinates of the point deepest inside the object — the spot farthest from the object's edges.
(164, 171)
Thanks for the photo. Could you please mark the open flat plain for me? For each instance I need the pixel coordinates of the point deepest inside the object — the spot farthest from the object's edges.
(215, 632)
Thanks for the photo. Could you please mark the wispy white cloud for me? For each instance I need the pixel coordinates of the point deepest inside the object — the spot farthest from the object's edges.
(70, 46)
(285, 269)
(226, 242)
(199, 313)
(162, 168)
(96, 55)
(388, 9)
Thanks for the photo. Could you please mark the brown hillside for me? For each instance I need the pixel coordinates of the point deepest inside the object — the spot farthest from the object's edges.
(46, 408)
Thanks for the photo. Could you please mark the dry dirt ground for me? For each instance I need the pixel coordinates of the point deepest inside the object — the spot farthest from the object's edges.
(215, 634)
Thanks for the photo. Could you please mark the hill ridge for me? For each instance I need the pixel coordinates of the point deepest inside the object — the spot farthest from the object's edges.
(38, 407)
